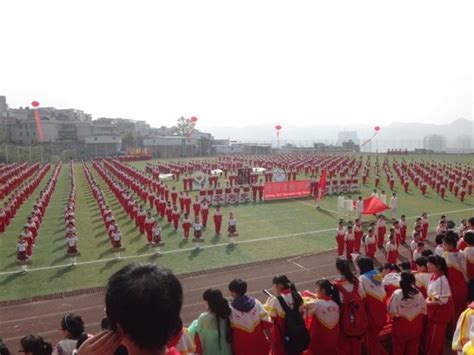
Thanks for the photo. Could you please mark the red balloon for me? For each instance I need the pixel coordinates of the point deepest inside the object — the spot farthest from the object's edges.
(377, 128)
(194, 119)
(35, 104)
(277, 127)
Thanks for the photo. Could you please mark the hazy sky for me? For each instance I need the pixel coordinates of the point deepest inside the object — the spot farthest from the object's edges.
(241, 62)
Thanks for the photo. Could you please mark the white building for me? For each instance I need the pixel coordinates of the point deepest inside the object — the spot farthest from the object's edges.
(434, 142)
(346, 136)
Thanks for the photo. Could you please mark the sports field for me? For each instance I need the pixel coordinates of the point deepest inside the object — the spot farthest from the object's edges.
(266, 230)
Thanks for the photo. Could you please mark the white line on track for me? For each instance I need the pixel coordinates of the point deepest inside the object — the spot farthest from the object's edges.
(206, 246)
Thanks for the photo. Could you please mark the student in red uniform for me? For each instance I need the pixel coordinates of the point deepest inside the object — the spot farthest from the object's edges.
(353, 322)
(149, 223)
(381, 230)
(403, 229)
(391, 248)
(370, 244)
(141, 216)
(204, 213)
(407, 307)
(217, 220)
(196, 207)
(186, 225)
(28, 237)
(187, 203)
(358, 234)
(340, 237)
(249, 320)
(422, 275)
(169, 212)
(323, 312)
(371, 282)
(457, 273)
(440, 307)
(283, 287)
(181, 200)
(174, 195)
(469, 256)
(349, 242)
(175, 215)
(21, 249)
(424, 225)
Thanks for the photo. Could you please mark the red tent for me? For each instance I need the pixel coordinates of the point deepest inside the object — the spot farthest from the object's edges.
(373, 205)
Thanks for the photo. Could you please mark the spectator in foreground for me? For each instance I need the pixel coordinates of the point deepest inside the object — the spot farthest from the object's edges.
(212, 331)
(249, 321)
(72, 327)
(35, 345)
(143, 303)
(3, 348)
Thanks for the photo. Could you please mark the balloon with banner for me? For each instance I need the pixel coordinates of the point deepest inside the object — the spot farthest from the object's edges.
(39, 126)
(376, 131)
(278, 129)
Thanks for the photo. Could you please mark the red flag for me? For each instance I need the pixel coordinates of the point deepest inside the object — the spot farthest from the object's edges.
(373, 205)
(322, 187)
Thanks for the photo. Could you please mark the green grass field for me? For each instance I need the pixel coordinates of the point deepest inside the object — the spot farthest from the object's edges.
(266, 230)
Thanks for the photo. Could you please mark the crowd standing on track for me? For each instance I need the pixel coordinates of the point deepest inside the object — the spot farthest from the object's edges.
(399, 308)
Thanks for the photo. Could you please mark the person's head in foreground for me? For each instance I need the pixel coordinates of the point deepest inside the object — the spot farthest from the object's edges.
(34, 345)
(143, 304)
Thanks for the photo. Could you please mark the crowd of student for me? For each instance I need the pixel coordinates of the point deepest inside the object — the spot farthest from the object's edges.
(421, 304)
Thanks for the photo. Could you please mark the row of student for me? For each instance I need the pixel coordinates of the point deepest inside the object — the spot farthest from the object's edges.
(28, 237)
(346, 316)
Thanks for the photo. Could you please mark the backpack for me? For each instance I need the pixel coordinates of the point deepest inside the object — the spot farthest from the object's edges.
(296, 338)
(353, 314)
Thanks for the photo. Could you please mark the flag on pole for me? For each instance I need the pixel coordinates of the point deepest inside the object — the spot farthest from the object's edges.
(322, 187)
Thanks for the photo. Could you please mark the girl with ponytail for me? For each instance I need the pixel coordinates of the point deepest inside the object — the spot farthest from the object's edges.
(35, 345)
(212, 331)
(281, 286)
(407, 307)
(73, 329)
(324, 313)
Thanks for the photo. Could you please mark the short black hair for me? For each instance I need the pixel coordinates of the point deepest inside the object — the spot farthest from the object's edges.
(238, 286)
(36, 345)
(427, 252)
(365, 264)
(145, 301)
(422, 261)
(450, 240)
(439, 239)
(469, 238)
(3, 348)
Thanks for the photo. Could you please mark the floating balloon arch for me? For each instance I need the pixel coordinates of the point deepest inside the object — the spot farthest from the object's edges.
(376, 131)
(39, 126)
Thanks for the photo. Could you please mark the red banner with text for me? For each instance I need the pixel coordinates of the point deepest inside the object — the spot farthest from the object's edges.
(286, 189)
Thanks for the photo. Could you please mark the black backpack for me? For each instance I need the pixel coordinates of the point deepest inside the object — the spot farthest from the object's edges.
(296, 337)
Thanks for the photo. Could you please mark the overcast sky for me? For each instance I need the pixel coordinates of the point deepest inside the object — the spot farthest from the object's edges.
(241, 62)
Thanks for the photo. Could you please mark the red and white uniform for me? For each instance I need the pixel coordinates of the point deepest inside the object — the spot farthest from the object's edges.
(422, 281)
(323, 326)
(217, 221)
(370, 246)
(197, 230)
(403, 230)
(116, 239)
(391, 283)
(439, 315)
(371, 283)
(358, 234)
(186, 227)
(381, 230)
(408, 322)
(175, 215)
(149, 222)
(232, 226)
(248, 330)
(204, 214)
(349, 242)
(469, 256)
(156, 231)
(71, 242)
(424, 227)
(21, 250)
(141, 216)
(340, 240)
(392, 252)
(457, 277)
(28, 237)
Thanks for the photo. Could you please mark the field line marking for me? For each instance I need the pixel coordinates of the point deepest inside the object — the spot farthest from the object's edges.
(203, 247)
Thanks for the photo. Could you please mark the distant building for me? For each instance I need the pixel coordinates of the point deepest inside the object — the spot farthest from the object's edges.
(103, 145)
(3, 104)
(464, 142)
(434, 142)
(346, 136)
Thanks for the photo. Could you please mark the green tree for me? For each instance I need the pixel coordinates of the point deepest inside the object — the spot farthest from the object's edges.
(183, 128)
